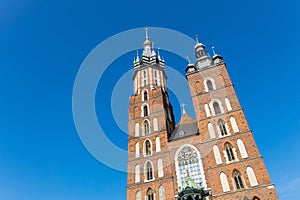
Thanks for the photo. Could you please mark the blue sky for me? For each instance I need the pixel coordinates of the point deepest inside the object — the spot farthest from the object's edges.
(43, 43)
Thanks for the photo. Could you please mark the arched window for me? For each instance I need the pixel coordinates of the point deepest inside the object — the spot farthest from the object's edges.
(238, 180)
(197, 87)
(157, 144)
(136, 130)
(137, 149)
(145, 95)
(137, 173)
(145, 109)
(138, 195)
(251, 176)
(161, 192)
(149, 171)
(224, 182)
(160, 168)
(146, 127)
(242, 148)
(207, 112)
(234, 125)
(217, 155)
(229, 108)
(150, 194)
(209, 85)
(229, 152)
(222, 127)
(217, 108)
(256, 198)
(188, 158)
(211, 131)
(147, 148)
(155, 124)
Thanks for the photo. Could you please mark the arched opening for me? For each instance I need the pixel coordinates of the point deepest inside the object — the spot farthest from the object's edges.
(161, 192)
(149, 171)
(229, 152)
(150, 194)
(145, 109)
(238, 180)
(145, 95)
(148, 148)
(222, 127)
(217, 108)
(209, 85)
(146, 127)
(138, 195)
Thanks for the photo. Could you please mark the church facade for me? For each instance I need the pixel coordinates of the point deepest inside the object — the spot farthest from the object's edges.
(214, 153)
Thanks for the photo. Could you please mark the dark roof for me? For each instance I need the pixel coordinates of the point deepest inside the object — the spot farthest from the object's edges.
(184, 130)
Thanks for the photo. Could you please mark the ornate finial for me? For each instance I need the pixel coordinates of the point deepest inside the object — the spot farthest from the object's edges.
(188, 59)
(158, 51)
(213, 50)
(197, 40)
(146, 30)
(137, 53)
(183, 109)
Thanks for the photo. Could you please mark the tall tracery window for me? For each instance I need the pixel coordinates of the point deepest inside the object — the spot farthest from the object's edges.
(161, 192)
(145, 95)
(145, 109)
(209, 85)
(138, 195)
(222, 127)
(147, 148)
(149, 171)
(188, 159)
(150, 194)
(217, 108)
(238, 180)
(146, 127)
(229, 152)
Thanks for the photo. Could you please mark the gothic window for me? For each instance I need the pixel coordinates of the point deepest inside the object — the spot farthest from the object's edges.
(136, 130)
(146, 127)
(157, 144)
(211, 131)
(138, 195)
(251, 176)
(217, 155)
(207, 112)
(147, 148)
(229, 108)
(150, 194)
(187, 158)
(217, 108)
(161, 192)
(155, 124)
(222, 127)
(145, 109)
(149, 171)
(234, 125)
(224, 182)
(137, 173)
(209, 85)
(145, 95)
(229, 152)
(242, 148)
(238, 180)
(160, 168)
(137, 150)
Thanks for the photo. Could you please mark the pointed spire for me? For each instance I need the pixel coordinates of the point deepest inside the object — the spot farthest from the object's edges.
(146, 30)
(188, 59)
(137, 56)
(158, 55)
(183, 108)
(197, 39)
(213, 50)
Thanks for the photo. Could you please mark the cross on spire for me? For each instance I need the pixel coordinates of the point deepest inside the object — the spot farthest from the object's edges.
(183, 108)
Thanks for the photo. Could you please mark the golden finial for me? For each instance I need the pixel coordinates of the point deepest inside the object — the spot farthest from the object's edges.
(197, 40)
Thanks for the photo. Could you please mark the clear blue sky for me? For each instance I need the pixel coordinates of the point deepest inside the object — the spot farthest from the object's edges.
(43, 43)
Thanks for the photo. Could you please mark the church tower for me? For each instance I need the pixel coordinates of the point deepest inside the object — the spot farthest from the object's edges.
(211, 157)
(151, 121)
(233, 166)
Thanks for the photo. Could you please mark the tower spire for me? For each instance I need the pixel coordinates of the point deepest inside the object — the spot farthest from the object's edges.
(183, 108)
(213, 50)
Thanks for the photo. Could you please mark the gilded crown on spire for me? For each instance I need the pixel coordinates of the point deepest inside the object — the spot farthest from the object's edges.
(147, 41)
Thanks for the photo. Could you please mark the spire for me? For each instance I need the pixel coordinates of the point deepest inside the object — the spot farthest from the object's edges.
(147, 41)
(158, 55)
(137, 56)
(213, 50)
(197, 39)
(147, 45)
(188, 59)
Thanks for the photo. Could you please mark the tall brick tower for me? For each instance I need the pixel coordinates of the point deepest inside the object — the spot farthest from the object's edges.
(233, 166)
(214, 153)
(151, 121)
